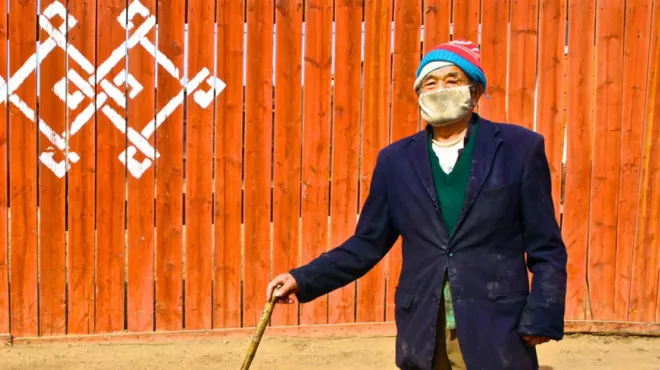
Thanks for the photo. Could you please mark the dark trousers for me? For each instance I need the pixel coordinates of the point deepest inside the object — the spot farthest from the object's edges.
(447, 351)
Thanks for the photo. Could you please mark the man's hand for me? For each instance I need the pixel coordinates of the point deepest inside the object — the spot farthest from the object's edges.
(288, 286)
(534, 340)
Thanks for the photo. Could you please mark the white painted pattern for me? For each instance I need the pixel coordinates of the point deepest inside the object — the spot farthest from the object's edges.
(107, 89)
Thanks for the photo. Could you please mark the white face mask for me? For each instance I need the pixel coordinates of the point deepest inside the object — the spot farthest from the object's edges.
(445, 106)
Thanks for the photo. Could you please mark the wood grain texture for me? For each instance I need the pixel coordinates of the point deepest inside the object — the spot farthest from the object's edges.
(466, 16)
(579, 106)
(199, 171)
(169, 171)
(605, 158)
(635, 69)
(494, 53)
(4, 207)
(436, 18)
(550, 86)
(287, 156)
(654, 107)
(228, 166)
(111, 178)
(82, 186)
(140, 197)
(316, 144)
(405, 110)
(258, 136)
(345, 145)
(654, 102)
(375, 135)
(644, 292)
(23, 173)
(52, 197)
(522, 62)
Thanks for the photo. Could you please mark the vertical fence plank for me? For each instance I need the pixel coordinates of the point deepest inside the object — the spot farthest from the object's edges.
(580, 103)
(436, 18)
(644, 299)
(405, 116)
(345, 143)
(23, 171)
(82, 177)
(286, 175)
(140, 197)
(494, 51)
(199, 167)
(111, 174)
(551, 80)
(228, 165)
(4, 265)
(635, 63)
(52, 261)
(466, 18)
(258, 136)
(605, 162)
(375, 135)
(169, 167)
(653, 100)
(522, 62)
(316, 143)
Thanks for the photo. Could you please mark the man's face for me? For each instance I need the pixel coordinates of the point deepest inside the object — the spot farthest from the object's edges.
(448, 77)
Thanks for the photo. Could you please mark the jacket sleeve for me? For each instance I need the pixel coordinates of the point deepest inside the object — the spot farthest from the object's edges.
(373, 238)
(543, 314)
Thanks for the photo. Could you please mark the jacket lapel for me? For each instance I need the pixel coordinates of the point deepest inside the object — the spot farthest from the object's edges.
(419, 155)
(485, 147)
(418, 150)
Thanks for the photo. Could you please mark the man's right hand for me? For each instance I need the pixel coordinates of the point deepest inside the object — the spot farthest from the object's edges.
(288, 286)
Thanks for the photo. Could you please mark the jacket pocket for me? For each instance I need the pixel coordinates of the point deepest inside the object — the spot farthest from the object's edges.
(403, 299)
(500, 191)
(509, 297)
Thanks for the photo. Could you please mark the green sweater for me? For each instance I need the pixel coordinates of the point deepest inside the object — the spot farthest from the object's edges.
(451, 190)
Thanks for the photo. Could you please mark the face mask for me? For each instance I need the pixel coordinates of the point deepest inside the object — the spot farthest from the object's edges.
(445, 106)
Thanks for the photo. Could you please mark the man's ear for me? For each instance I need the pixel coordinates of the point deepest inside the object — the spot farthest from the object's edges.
(478, 91)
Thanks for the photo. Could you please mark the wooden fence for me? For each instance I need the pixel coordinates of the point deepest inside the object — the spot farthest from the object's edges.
(161, 160)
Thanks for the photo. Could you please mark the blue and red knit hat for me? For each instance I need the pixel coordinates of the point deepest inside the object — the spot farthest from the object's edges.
(461, 53)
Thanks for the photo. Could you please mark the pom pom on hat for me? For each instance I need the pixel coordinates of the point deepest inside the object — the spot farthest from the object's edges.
(461, 53)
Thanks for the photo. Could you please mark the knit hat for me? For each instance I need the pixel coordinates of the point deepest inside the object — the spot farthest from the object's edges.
(461, 53)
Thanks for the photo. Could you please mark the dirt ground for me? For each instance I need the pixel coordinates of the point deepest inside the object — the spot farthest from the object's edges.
(356, 353)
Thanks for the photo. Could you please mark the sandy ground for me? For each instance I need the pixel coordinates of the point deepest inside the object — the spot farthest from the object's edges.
(357, 353)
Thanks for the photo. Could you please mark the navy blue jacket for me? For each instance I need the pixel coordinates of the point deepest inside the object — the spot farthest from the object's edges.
(508, 213)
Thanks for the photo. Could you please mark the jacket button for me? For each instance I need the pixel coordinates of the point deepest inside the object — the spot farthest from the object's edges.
(451, 254)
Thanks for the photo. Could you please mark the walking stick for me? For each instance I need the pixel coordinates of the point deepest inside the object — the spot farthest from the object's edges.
(256, 338)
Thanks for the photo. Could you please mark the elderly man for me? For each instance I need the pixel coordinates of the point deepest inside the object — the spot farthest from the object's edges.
(470, 198)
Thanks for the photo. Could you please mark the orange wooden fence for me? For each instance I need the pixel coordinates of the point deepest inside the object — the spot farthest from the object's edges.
(160, 160)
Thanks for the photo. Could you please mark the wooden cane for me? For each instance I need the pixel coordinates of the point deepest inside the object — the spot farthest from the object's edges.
(263, 322)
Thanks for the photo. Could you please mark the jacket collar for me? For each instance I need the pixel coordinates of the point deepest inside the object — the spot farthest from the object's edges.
(486, 144)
